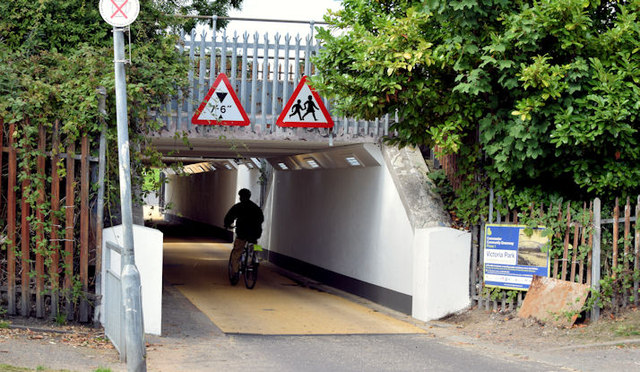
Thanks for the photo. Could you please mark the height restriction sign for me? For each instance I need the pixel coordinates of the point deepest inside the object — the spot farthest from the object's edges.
(221, 106)
(119, 13)
(305, 109)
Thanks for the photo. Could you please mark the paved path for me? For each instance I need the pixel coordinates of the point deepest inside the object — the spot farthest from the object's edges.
(193, 343)
(192, 340)
(276, 306)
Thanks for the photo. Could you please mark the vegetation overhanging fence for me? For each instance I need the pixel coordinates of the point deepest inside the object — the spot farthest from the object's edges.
(47, 230)
(603, 253)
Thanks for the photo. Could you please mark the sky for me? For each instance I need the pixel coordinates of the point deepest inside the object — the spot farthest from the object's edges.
(279, 9)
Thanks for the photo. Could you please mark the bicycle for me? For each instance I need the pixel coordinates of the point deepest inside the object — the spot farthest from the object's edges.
(249, 263)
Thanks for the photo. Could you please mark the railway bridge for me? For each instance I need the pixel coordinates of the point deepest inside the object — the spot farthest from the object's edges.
(340, 206)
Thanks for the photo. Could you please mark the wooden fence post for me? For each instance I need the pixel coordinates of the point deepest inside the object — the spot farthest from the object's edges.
(84, 228)
(40, 227)
(589, 268)
(69, 231)
(583, 240)
(625, 257)
(1, 155)
(565, 253)
(616, 221)
(636, 250)
(574, 251)
(54, 275)
(25, 303)
(11, 225)
(475, 246)
(595, 265)
(636, 261)
(557, 235)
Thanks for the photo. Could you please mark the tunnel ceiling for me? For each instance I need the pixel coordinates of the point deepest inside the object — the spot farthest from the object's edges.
(200, 149)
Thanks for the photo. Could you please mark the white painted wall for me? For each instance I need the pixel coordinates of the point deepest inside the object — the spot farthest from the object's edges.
(148, 259)
(248, 179)
(203, 197)
(206, 197)
(350, 221)
(441, 272)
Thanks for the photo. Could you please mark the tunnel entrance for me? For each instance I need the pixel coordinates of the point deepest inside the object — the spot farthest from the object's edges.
(340, 216)
(280, 304)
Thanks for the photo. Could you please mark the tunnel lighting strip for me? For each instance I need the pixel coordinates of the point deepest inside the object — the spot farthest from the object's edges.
(228, 166)
(353, 161)
(312, 163)
(283, 166)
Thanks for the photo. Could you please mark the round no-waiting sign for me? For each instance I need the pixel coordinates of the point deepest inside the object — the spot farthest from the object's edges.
(119, 13)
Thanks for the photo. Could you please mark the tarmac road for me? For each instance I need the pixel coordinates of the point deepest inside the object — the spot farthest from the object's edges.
(193, 343)
(192, 340)
(210, 325)
(193, 337)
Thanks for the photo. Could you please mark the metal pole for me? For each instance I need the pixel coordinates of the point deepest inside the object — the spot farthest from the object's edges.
(595, 258)
(134, 335)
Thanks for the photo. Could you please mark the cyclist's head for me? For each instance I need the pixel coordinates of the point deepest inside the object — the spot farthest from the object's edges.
(244, 194)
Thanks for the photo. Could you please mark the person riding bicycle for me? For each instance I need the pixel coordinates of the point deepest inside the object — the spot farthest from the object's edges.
(248, 217)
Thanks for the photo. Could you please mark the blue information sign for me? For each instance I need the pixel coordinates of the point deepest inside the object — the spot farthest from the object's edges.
(511, 257)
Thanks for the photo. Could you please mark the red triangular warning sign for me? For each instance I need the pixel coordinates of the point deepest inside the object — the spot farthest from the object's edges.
(305, 109)
(221, 108)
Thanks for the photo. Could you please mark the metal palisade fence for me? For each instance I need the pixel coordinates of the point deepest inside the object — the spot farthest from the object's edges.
(264, 73)
(48, 248)
(585, 248)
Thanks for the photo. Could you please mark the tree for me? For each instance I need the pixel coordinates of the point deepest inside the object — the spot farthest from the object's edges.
(54, 54)
(540, 96)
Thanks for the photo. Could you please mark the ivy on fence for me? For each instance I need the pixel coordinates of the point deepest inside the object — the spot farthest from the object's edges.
(570, 229)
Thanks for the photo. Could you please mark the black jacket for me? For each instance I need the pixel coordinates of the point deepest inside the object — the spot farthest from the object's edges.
(248, 217)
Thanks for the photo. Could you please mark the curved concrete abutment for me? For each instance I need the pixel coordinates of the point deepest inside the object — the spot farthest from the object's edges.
(361, 218)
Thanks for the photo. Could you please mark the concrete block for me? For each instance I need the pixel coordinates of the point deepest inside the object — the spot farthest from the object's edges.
(148, 257)
(440, 272)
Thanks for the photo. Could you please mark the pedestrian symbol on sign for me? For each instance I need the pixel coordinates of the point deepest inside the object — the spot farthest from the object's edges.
(305, 109)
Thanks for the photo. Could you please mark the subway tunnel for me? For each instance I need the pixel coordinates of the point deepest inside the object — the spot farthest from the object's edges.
(360, 218)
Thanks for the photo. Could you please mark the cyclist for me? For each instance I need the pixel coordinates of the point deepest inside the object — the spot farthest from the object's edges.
(248, 217)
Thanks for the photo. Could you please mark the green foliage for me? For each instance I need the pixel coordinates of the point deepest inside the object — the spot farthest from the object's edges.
(54, 55)
(61, 319)
(542, 95)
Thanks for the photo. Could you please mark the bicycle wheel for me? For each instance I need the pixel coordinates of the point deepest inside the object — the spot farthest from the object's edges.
(251, 272)
(234, 277)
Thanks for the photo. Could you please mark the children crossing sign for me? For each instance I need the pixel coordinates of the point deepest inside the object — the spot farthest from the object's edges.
(305, 109)
(220, 106)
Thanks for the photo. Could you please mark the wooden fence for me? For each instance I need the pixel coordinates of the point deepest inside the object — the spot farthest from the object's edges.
(588, 250)
(46, 256)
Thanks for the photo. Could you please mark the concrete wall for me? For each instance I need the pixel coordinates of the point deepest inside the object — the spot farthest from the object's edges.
(248, 179)
(147, 244)
(206, 197)
(350, 221)
(441, 272)
(377, 231)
